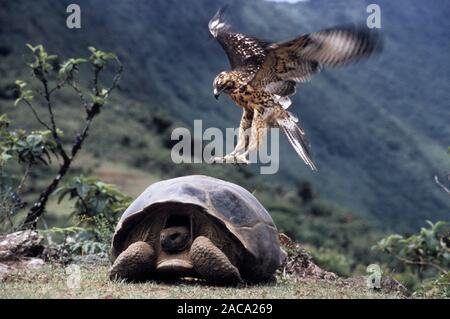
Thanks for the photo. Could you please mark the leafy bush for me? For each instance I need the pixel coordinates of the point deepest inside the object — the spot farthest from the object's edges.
(426, 255)
(430, 248)
(97, 205)
(29, 149)
(96, 211)
(10, 204)
(65, 244)
(93, 197)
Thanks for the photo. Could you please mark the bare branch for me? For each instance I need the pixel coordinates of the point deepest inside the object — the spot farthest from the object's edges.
(24, 178)
(421, 263)
(57, 87)
(75, 87)
(36, 115)
(117, 77)
(436, 179)
(54, 129)
(95, 80)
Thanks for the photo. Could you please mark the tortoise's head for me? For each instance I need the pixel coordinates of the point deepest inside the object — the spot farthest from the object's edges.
(175, 239)
(224, 82)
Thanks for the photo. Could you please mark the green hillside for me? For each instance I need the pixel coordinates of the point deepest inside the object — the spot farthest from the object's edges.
(379, 129)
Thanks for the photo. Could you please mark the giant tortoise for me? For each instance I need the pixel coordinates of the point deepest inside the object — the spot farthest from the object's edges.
(196, 226)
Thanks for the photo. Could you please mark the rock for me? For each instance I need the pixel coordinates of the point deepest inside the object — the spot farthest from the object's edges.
(20, 244)
(20, 250)
(4, 269)
(8, 267)
(34, 263)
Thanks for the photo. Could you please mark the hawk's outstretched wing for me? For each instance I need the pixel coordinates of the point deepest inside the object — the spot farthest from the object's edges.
(299, 59)
(243, 51)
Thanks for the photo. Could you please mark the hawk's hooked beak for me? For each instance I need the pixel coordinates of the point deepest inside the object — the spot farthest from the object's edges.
(217, 93)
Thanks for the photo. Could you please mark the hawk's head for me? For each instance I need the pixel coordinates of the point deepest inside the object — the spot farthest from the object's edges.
(224, 82)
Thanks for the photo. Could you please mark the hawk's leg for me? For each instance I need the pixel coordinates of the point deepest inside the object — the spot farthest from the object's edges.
(244, 134)
(258, 132)
(243, 140)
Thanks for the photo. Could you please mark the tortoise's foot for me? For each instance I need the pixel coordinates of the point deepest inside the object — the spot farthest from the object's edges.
(135, 263)
(212, 264)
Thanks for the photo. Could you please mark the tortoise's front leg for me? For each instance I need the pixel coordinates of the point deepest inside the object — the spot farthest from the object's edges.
(135, 263)
(212, 264)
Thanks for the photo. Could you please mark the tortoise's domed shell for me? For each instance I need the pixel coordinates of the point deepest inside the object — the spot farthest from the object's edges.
(238, 210)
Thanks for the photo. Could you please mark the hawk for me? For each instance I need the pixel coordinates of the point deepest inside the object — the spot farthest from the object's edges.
(264, 75)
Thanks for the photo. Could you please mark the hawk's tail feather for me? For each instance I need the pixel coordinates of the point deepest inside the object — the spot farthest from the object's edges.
(218, 23)
(297, 138)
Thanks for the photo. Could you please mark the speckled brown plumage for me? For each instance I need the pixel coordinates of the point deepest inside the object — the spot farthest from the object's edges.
(263, 75)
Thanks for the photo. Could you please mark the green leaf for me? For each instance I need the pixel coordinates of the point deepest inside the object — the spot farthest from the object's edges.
(5, 156)
(62, 195)
(108, 56)
(79, 61)
(104, 92)
(83, 190)
(21, 84)
(33, 49)
(99, 62)
(17, 101)
(98, 100)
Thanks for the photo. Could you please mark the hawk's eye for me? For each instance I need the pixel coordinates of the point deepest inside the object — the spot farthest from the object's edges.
(229, 84)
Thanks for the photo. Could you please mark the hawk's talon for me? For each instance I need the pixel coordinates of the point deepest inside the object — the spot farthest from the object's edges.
(217, 160)
(231, 159)
(241, 159)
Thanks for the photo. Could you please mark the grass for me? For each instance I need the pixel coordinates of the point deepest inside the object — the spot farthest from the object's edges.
(50, 281)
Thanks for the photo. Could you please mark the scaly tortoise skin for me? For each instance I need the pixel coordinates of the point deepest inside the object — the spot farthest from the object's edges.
(196, 226)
